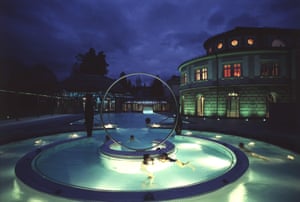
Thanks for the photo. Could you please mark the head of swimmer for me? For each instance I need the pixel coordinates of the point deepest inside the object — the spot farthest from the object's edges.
(147, 159)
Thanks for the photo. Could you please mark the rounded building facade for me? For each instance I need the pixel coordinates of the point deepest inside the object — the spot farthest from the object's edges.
(246, 72)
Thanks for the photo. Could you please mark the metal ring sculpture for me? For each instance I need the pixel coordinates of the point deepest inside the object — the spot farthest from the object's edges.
(136, 74)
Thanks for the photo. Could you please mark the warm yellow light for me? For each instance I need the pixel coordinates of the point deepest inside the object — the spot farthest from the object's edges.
(250, 41)
(290, 157)
(234, 42)
(232, 94)
(239, 193)
(251, 143)
(189, 146)
(108, 126)
(188, 133)
(220, 45)
(40, 142)
(155, 125)
(74, 135)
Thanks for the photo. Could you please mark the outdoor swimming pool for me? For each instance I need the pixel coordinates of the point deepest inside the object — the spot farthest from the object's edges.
(278, 177)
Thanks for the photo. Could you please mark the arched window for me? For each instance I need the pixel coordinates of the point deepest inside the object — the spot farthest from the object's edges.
(234, 42)
(278, 43)
(184, 78)
(220, 45)
(250, 41)
(271, 98)
(200, 105)
(233, 105)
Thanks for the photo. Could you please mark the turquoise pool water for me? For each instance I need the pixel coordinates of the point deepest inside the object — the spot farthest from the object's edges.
(77, 164)
(278, 178)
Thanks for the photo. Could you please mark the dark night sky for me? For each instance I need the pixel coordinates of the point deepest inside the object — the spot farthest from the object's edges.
(153, 36)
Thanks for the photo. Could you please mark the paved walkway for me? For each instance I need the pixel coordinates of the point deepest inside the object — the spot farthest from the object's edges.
(284, 136)
(281, 135)
(24, 128)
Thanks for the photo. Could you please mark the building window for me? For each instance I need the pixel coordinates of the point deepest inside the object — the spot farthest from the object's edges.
(184, 78)
(233, 105)
(197, 74)
(278, 43)
(204, 73)
(201, 74)
(234, 42)
(232, 70)
(250, 41)
(269, 69)
(237, 70)
(227, 71)
(220, 45)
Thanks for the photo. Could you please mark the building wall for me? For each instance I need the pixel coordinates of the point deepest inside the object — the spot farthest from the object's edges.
(252, 94)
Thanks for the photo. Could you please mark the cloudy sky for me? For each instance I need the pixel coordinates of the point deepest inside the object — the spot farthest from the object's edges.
(152, 36)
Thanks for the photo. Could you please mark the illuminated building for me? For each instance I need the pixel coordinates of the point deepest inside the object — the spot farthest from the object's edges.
(246, 73)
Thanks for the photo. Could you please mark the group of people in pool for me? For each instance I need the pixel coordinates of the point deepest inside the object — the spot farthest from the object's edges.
(163, 158)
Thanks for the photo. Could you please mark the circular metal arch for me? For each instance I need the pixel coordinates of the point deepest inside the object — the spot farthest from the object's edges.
(139, 74)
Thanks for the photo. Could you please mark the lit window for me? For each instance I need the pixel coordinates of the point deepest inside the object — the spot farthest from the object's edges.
(237, 70)
(220, 45)
(197, 75)
(250, 41)
(204, 73)
(201, 74)
(234, 42)
(227, 71)
(234, 70)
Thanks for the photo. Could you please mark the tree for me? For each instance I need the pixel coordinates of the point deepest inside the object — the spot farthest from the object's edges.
(42, 79)
(126, 83)
(92, 63)
(157, 89)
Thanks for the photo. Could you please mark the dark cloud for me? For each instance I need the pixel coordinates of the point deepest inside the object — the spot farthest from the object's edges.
(243, 20)
(216, 19)
(148, 36)
(283, 13)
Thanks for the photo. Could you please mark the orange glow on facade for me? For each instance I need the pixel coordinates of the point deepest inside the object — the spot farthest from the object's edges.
(234, 42)
(220, 45)
(250, 41)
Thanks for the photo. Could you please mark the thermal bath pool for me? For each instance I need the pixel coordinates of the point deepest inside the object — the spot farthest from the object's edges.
(72, 169)
(277, 179)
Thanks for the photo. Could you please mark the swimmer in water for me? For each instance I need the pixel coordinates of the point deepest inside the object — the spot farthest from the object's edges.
(146, 163)
(164, 157)
(251, 153)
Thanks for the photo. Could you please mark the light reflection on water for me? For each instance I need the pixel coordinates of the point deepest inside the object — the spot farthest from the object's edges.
(79, 165)
(279, 177)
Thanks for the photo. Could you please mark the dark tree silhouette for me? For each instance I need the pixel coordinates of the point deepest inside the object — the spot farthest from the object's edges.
(16, 76)
(126, 83)
(42, 80)
(157, 89)
(92, 63)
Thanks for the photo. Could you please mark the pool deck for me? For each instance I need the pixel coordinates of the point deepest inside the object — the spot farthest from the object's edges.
(283, 136)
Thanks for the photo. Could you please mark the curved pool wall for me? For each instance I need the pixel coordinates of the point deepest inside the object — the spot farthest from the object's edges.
(28, 172)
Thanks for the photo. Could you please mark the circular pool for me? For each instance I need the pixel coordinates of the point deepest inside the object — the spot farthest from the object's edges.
(78, 169)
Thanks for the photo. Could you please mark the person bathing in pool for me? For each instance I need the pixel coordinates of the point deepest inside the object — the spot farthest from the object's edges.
(164, 157)
(251, 153)
(147, 162)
